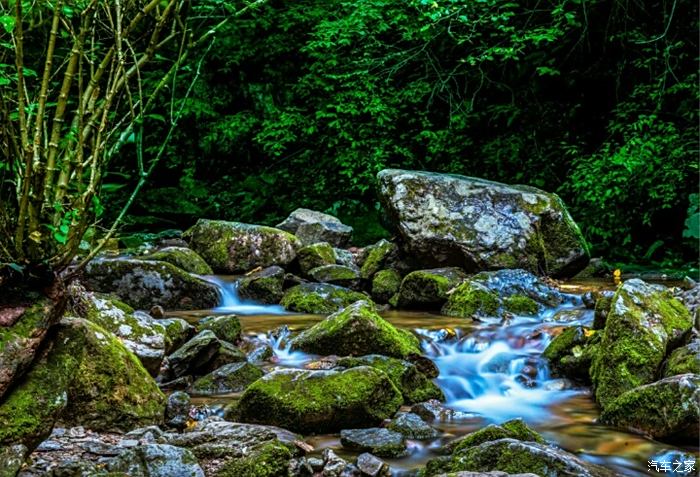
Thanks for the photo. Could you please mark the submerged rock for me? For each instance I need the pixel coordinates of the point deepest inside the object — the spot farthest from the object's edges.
(320, 401)
(644, 320)
(312, 226)
(156, 460)
(428, 288)
(234, 247)
(319, 298)
(356, 330)
(669, 408)
(448, 219)
(144, 284)
(230, 378)
(377, 440)
(182, 257)
(265, 286)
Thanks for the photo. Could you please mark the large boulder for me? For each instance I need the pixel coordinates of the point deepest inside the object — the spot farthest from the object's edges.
(182, 257)
(312, 226)
(356, 330)
(669, 408)
(643, 323)
(320, 401)
(428, 288)
(448, 219)
(319, 298)
(234, 247)
(144, 284)
(86, 377)
(264, 286)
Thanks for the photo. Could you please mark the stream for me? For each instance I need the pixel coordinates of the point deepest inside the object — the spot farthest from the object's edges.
(489, 372)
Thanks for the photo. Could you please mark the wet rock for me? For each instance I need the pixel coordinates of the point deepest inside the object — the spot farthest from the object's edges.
(194, 355)
(414, 385)
(451, 220)
(345, 257)
(271, 459)
(644, 321)
(377, 257)
(570, 315)
(356, 397)
(312, 226)
(11, 459)
(571, 352)
(356, 330)
(156, 460)
(265, 286)
(177, 332)
(157, 312)
(428, 288)
(513, 429)
(372, 466)
(225, 327)
(319, 298)
(336, 275)
(663, 409)
(234, 247)
(685, 359)
(377, 440)
(143, 284)
(177, 409)
(434, 410)
(230, 378)
(257, 350)
(471, 299)
(182, 257)
(385, 284)
(334, 466)
(315, 255)
(601, 310)
(412, 426)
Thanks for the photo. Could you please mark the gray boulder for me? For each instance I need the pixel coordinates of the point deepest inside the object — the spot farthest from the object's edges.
(377, 440)
(312, 226)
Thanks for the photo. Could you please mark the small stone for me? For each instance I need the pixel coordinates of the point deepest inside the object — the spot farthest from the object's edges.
(77, 431)
(372, 466)
(315, 463)
(157, 311)
(377, 440)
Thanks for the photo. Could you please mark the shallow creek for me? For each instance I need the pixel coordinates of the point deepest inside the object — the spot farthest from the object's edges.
(490, 372)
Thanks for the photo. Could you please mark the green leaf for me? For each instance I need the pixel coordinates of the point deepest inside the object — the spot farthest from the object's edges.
(8, 23)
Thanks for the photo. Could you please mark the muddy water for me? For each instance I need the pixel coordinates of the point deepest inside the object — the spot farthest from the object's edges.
(490, 372)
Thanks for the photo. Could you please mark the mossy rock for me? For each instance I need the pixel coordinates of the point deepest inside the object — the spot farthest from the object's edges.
(202, 354)
(570, 353)
(377, 257)
(234, 247)
(683, 360)
(315, 255)
(155, 460)
(357, 330)
(513, 429)
(12, 459)
(230, 378)
(225, 327)
(601, 310)
(182, 257)
(177, 332)
(268, 460)
(428, 288)
(143, 284)
(385, 284)
(336, 275)
(265, 286)
(320, 401)
(521, 305)
(412, 426)
(87, 377)
(644, 321)
(319, 298)
(471, 299)
(414, 385)
(669, 408)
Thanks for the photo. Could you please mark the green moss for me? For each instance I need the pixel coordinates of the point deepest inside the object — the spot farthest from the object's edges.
(183, 258)
(315, 255)
(685, 359)
(602, 308)
(471, 299)
(428, 288)
(414, 385)
(320, 401)
(385, 284)
(335, 274)
(376, 258)
(264, 286)
(319, 298)
(230, 378)
(226, 327)
(357, 330)
(520, 305)
(513, 429)
(268, 460)
(33, 322)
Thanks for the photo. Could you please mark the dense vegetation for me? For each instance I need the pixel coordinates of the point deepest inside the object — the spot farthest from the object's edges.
(301, 103)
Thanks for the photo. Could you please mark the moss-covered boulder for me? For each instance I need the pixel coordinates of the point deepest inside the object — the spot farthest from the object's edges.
(177, 332)
(229, 378)
(377, 257)
(601, 310)
(336, 275)
(143, 284)
(669, 408)
(234, 247)
(414, 385)
(23, 328)
(471, 299)
(453, 220)
(320, 401)
(644, 320)
(356, 330)
(319, 298)
(264, 286)
(428, 288)
(182, 257)
(570, 353)
(385, 284)
(86, 377)
(513, 429)
(225, 327)
(268, 460)
(683, 360)
(315, 255)
(312, 226)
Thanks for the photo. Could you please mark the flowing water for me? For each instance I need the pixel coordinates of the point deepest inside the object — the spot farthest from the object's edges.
(489, 371)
